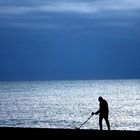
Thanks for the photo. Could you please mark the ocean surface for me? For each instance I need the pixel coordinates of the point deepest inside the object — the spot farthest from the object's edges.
(67, 104)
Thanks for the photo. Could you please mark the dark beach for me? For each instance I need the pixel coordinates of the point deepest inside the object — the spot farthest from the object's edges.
(47, 133)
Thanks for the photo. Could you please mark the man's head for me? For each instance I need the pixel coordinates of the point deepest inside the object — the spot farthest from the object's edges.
(100, 99)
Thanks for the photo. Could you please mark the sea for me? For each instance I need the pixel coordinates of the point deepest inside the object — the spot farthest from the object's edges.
(69, 103)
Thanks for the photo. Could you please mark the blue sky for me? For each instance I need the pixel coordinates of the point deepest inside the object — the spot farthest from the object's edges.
(69, 39)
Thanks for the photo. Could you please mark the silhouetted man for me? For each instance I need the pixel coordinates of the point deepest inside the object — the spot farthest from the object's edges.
(103, 112)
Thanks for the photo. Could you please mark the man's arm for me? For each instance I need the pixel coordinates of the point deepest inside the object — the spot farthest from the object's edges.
(97, 112)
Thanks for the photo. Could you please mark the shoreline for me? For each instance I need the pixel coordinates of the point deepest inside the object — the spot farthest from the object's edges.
(59, 133)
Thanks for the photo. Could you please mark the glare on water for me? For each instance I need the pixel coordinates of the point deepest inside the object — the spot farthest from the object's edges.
(67, 104)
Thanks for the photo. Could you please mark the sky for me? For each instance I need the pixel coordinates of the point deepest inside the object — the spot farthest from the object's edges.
(69, 39)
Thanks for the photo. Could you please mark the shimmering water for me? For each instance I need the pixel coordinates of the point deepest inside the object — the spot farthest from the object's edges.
(67, 104)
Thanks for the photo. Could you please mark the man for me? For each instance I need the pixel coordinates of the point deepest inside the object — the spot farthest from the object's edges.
(103, 112)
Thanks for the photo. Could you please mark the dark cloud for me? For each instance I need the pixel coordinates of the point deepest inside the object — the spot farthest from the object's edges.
(37, 43)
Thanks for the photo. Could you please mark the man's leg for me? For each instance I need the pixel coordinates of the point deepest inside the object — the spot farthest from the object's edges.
(100, 122)
(107, 123)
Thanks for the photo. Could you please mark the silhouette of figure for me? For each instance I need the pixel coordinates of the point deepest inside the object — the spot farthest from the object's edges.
(103, 112)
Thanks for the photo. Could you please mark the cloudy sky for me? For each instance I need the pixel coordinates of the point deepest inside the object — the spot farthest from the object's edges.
(69, 39)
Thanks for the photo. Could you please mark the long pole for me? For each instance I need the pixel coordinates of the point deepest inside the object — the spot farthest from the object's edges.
(84, 122)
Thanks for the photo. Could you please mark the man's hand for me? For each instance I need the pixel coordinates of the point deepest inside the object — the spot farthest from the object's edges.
(92, 113)
(96, 113)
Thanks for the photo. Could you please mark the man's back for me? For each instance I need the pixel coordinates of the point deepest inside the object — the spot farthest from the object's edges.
(104, 110)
